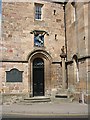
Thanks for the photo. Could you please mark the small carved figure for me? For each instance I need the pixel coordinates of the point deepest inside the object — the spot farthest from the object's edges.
(63, 54)
(62, 49)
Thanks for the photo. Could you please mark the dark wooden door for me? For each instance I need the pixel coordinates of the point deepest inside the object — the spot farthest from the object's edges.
(38, 77)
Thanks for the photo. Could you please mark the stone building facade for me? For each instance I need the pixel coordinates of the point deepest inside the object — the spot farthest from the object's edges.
(33, 61)
(78, 57)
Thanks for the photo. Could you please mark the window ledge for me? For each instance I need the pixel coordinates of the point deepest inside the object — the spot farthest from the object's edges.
(39, 47)
(39, 20)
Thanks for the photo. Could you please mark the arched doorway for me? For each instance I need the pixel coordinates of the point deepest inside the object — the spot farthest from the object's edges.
(76, 68)
(38, 77)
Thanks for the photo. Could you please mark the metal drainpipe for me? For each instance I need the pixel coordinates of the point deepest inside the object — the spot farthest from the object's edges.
(65, 40)
(65, 29)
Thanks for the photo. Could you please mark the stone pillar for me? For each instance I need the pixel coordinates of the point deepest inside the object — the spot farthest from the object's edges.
(63, 74)
(63, 56)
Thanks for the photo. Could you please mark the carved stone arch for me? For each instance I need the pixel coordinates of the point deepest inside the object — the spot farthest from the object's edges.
(14, 69)
(75, 57)
(42, 54)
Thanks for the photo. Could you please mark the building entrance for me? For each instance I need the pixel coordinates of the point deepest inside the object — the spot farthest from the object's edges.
(38, 77)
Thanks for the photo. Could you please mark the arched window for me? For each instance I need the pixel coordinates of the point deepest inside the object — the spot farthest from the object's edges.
(38, 62)
(73, 12)
(76, 68)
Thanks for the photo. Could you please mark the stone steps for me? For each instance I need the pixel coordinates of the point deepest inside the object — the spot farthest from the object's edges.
(35, 100)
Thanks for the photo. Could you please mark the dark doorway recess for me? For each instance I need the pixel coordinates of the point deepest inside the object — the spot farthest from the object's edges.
(38, 77)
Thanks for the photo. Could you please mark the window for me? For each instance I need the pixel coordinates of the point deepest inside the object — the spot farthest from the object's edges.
(14, 75)
(54, 12)
(38, 11)
(73, 12)
(39, 39)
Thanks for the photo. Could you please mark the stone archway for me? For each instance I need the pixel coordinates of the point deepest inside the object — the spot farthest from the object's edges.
(34, 58)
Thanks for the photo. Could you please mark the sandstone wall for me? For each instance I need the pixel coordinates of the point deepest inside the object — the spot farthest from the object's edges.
(17, 23)
(77, 43)
(18, 44)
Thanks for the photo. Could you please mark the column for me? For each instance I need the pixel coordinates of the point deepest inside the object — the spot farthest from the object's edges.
(63, 56)
(63, 74)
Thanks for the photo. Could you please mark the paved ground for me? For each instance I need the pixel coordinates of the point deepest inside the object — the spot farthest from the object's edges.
(46, 109)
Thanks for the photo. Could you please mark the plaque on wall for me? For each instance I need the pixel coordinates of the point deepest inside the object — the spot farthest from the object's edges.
(14, 75)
